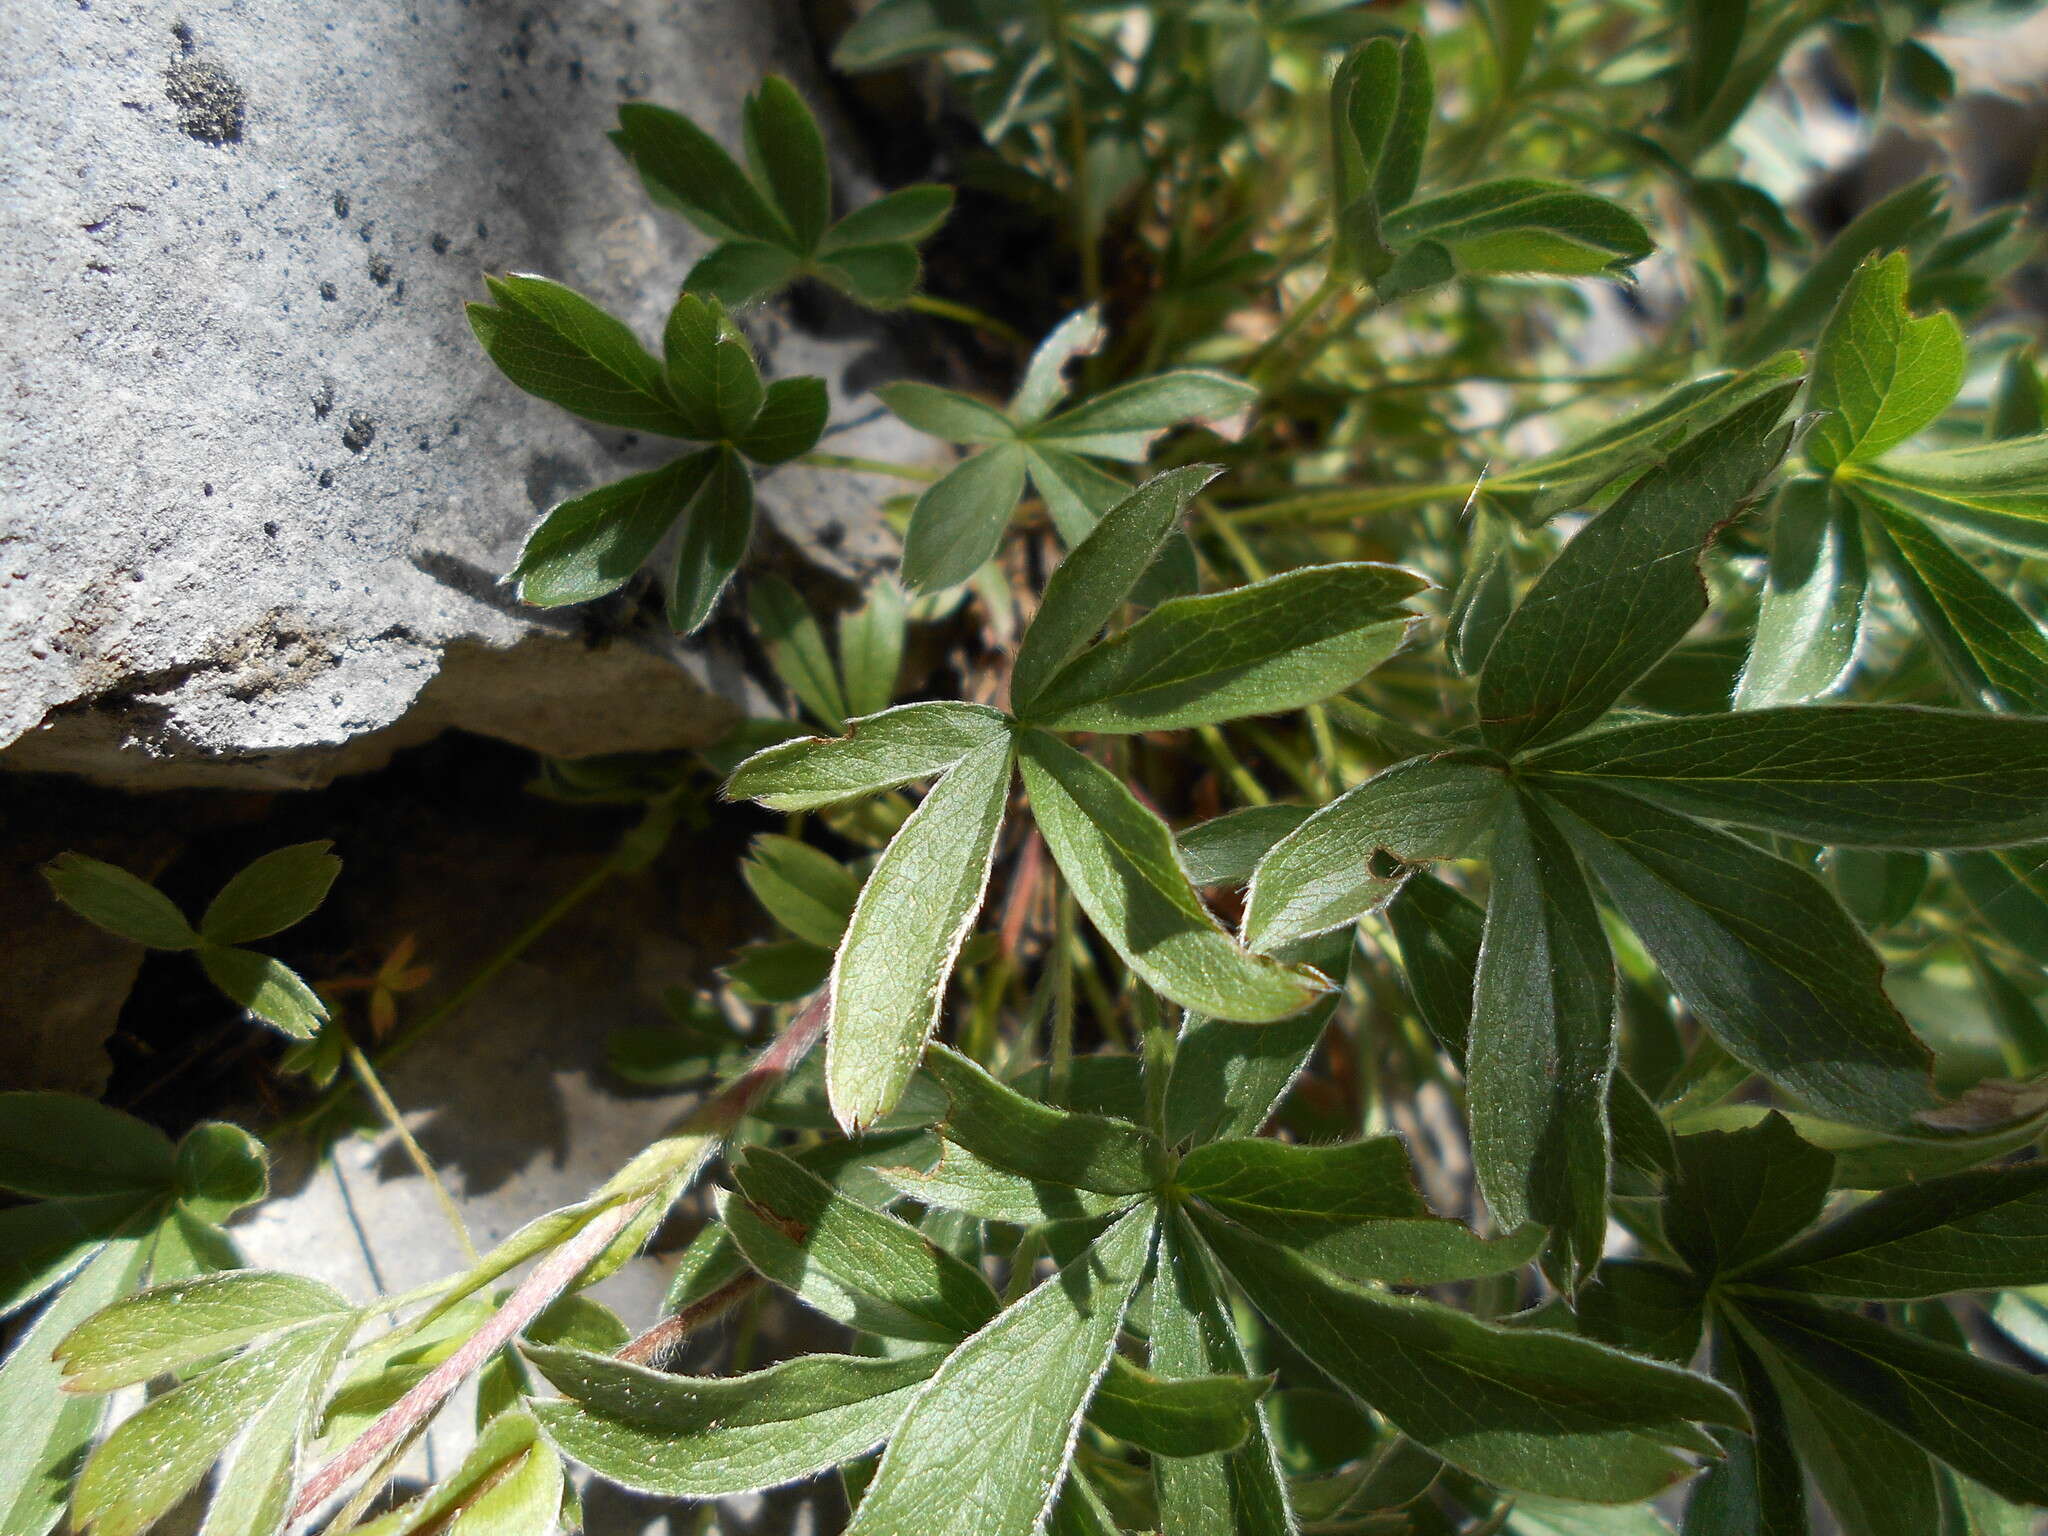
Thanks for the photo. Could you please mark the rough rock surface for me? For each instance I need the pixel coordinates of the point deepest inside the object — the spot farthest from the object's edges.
(260, 482)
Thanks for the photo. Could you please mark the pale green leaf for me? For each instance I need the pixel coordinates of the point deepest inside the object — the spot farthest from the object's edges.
(267, 987)
(1880, 374)
(111, 898)
(1039, 1142)
(958, 523)
(173, 1325)
(1811, 614)
(879, 752)
(276, 891)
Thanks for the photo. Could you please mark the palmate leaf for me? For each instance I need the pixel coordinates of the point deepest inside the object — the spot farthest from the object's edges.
(1542, 1045)
(1869, 775)
(693, 1437)
(1120, 861)
(1741, 1195)
(1543, 1412)
(1626, 589)
(914, 912)
(987, 1442)
(805, 889)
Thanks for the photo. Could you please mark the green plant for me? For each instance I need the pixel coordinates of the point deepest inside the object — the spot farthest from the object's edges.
(1637, 795)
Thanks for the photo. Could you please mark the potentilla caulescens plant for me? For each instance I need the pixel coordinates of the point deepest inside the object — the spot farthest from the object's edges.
(1404, 936)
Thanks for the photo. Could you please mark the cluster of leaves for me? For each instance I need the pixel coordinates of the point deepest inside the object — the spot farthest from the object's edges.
(1637, 841)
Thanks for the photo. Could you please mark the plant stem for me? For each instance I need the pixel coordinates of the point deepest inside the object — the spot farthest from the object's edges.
(1341, 505)
(1262, 361)
(373, 1085)
(1077, 149)
(967, 314)
(866, 466)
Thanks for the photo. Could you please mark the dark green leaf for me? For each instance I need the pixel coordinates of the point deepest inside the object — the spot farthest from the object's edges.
(1761, 952)
(1713, 37)
(871, 647)
(717, 526)
(267, 987)
(1037, 1141)
(778, 973)
(790, 421)
(1868, 775)
(960, 1181)
(1977, 1231)
(804, 888)
(1345, 860)
(1815, 584)
(594, 543)
(946, 413)
(2019, 404)
(279, 889)
(1627, 587)
(1995, 491)
(554, 343)
(1261, 649)
(1176, 1416)
(1120, 861)
(1523, 225)
(1990, 645)
(742, 272)
(906, 215)
(913, 915)
(1742, 1194)
(1880, 374)
(1542, 1045)
(54, 1145)
(1758, 1488)
(1439, 932)
(987, 1443)
(43, 1243)
(699, 177)
(1382, 101)
(1227, 849)
(706, 1437)
(1548, 1413)
(2009, 889)
(796, 646)
(852, 1263)
(879, 752)
(787, 153)
(879, 276)
(1644, 1308)
(1098, 576)
(1121, 423)
(221, 1169)
(957, 525)
(1076, 491)
(109, 897)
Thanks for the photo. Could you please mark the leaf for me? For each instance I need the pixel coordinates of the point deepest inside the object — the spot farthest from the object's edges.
(1077, 492)
(171, 1326)
(1627, 587)
(1760, 951)
(1120, 423)
(1645, 1308)
(878, 752)
(1352, 1209)
(1740, 1195)
(1713, 38)
(510, 1484)
(42, 1244)
(1098, 576)
(48, 1430)
(2009, 889)
(1387, 109)
(1176, 1416)
(1758, 1487)
(221, 1169)
(987, 1442)
(1541, 1051)
(710, 368)
(1977, 1231)
(690, 1437)
(1120, 861)
(946, 413)
(1864, 775)
(788, 155)
(962, 1182)
(1982, 1419)
(108, 897)
(871, 647)
(2019, 403)
(554, 343)
(1815, 586)
(1261, 649)
(855, 1264)
(1880, 374)
(1511, 28)
(913, 915)
(957, 524)
(1346, 860)
(1994, 491)
(778, 973)
(54, 1145)
(717, 527)
(904, 216)
(276, 891)
(1525, 225)
(790, 422)
(796, 646)
(1990, 646)
(1890, 225)
(879, 276)
(697, 176)
(267, 987)
(1038, 1141)
(265, 1397)
(1226, 849)
(594, 544)
(742, 272)
(806, 890)
(1541, 1412)
(1045, 381)
(1193, 1335)
(1440, 932)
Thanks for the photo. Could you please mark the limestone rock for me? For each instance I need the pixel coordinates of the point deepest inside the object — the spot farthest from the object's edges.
(260, 481)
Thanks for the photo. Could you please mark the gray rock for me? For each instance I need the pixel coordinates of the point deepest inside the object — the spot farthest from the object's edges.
(260, 481)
